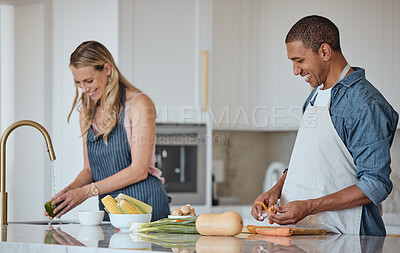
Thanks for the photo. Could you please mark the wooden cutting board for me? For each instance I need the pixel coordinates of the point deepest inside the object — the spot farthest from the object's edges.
(295, 231)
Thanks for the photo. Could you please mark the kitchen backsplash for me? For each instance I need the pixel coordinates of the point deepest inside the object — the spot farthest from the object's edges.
(245, 156)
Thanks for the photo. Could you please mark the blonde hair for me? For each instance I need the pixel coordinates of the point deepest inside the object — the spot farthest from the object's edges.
(93, 53)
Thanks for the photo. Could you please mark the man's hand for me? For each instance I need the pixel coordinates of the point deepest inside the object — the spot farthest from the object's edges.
(291, 213)
(268, 198)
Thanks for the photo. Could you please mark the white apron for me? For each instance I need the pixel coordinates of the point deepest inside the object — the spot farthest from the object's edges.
(321, 165)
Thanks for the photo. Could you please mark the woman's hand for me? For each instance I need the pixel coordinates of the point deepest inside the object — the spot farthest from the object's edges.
(54, 197)
(70, 199)
(268, 198)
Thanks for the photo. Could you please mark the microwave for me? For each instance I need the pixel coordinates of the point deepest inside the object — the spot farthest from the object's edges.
(180, 154)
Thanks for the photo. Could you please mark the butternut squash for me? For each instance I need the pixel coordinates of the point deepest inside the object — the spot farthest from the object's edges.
(218, 244)
(225, 224)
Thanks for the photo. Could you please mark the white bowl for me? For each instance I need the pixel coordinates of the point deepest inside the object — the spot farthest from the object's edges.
(124, 221)
(90, 218)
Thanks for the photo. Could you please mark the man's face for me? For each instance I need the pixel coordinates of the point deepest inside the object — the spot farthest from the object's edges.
(306, 63)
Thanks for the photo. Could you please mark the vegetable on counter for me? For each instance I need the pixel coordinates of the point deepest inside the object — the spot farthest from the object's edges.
(283, 231)
(110, 205)
(268, 210)
(276, 231)
(225, 224)
(183, 211)
(124, 204)
(142, 207)
(184, 225)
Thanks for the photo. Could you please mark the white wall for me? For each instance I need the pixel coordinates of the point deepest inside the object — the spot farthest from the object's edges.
(75, 21)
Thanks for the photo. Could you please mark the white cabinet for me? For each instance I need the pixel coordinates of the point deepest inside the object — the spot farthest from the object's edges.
(161, 45)
(253, 86)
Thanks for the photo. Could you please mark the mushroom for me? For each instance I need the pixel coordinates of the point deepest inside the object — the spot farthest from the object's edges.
(186, 210)
(177, 212)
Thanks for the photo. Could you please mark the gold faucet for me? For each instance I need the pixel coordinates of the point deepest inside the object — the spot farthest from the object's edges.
(3, 159)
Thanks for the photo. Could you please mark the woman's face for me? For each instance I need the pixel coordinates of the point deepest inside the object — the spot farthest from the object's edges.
(91, 81)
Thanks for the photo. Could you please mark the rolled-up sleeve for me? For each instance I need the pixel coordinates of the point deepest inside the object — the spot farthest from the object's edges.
(370, 136)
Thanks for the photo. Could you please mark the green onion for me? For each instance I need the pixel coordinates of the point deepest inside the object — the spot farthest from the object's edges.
(167, 225)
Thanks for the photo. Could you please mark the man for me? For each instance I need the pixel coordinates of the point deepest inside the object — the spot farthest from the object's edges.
(338, 174)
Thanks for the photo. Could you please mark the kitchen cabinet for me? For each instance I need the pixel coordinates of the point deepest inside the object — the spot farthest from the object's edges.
(253, 86)
(161, 52)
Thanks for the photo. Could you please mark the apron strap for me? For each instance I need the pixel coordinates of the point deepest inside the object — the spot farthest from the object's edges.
(340, 78)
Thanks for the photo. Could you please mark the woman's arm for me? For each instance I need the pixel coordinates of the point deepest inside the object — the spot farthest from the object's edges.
(85, 176)
(142, 117)
(79, 190)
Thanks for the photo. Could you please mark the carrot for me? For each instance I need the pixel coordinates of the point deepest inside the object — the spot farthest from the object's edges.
(284, 231)
(268, 210)
(251, 228)
(263, 205)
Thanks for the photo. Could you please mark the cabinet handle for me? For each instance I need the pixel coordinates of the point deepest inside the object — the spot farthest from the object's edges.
(205, 81)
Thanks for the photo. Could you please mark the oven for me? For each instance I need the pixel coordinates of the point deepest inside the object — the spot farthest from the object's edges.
(180, 154)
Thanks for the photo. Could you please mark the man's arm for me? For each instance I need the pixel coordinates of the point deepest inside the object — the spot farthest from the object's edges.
(370, 134)
(293, 212)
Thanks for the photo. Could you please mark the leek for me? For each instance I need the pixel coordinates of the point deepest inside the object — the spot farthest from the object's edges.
(167, 225)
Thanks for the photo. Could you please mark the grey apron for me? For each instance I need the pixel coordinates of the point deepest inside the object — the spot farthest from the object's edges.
(106, 160)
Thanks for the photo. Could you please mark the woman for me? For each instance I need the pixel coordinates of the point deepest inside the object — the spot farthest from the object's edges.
(117, 122)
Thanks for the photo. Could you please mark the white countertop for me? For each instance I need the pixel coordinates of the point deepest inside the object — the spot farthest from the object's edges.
(105, 238)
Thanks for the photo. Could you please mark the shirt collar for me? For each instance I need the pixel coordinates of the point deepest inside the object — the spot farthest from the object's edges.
(359, 73)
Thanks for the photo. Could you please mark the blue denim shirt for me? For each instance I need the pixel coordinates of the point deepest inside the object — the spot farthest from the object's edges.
(366, 123)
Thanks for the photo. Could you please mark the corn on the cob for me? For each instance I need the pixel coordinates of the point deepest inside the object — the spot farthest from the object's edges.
(139, 205)
(110, 204)
(126, 208)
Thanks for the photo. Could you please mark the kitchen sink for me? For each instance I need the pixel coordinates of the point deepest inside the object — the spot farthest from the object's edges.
(56, 222)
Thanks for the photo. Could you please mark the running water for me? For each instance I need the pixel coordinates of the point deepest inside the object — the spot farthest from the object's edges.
(53, 165)
(53, 182)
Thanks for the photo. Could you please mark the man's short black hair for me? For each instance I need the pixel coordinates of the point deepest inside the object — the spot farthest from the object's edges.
(313, 31)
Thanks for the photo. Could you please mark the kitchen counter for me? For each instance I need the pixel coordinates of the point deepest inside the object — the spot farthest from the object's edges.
(105, 238)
